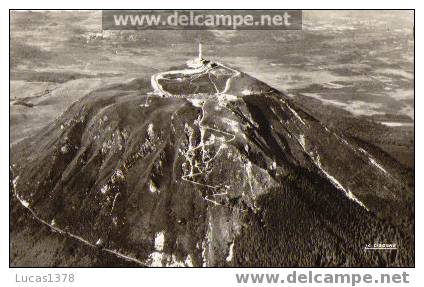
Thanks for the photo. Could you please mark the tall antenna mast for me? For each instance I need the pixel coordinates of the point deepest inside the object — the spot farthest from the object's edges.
(200, 57)
(200, 50)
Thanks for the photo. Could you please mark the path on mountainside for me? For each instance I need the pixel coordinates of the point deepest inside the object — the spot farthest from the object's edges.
(191, 152)
(205, 170)
(25, 204)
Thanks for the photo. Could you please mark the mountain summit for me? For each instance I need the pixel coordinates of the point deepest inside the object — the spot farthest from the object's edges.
(212, 168)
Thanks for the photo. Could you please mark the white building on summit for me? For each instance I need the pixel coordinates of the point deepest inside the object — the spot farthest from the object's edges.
(199, 62)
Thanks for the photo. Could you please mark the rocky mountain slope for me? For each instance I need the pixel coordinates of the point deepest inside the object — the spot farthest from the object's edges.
(212, 168)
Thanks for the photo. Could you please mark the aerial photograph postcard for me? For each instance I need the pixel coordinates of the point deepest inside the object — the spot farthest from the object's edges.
(212, 138)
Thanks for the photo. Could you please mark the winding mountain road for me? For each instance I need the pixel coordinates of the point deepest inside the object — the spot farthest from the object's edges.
(203, 170)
